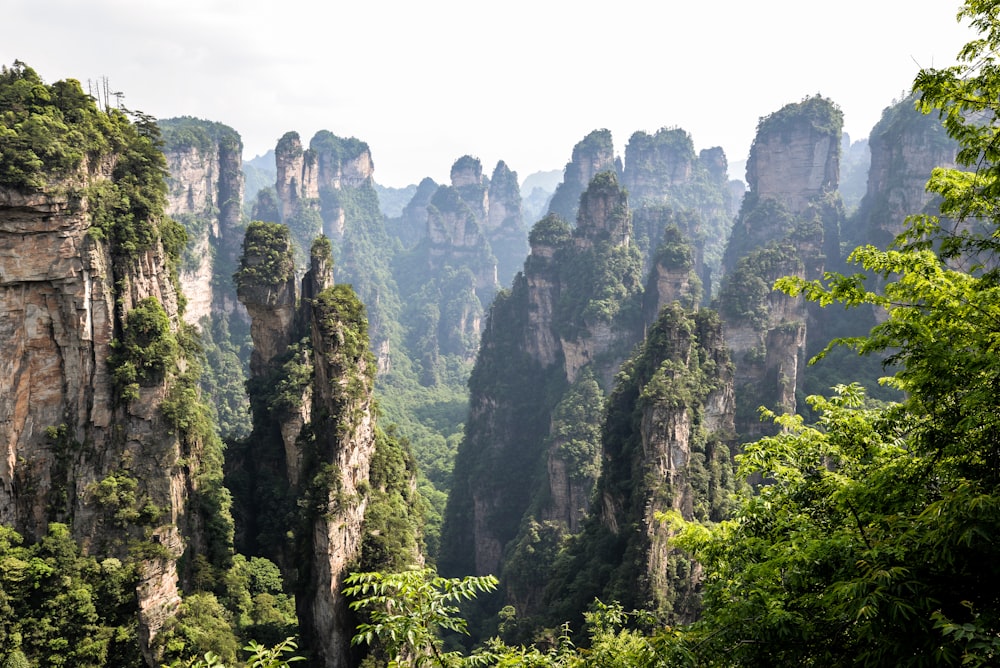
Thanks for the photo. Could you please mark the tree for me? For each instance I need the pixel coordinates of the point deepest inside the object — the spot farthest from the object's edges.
(874, 543)
(407, 611)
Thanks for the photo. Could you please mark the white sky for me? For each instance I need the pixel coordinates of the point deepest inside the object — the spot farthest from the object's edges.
(424, 83)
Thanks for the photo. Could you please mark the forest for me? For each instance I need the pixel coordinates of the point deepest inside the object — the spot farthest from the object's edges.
(268, 415)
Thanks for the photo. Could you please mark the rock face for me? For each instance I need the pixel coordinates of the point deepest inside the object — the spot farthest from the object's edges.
(505, 228)
(669, 184)
(906, 146)
(330, 164)
(789, 224)
(795, 157)
(343, 419)
(668, 431)
(314, 436)
(473, 227)
(82, 394)
(594, 154)
(205, 194)
(412, 224)
(536, 397)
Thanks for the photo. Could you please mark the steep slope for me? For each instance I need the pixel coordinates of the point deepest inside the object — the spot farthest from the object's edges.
(102, 430)
(666, 445)
(204, 194)
(318, 487)
(789, 224)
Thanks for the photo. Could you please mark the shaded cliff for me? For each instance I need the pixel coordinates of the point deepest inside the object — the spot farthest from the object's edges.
(526, 471)
(789, 224)
(906, 145)
(204, 194)
(317, 486)
(594, 154)
(102, 430)
(665, 444)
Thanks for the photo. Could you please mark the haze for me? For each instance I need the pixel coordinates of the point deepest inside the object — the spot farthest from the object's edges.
(522, 81)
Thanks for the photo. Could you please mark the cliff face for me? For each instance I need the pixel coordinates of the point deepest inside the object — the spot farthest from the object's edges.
(668, 432)
(93, 369)
(344, 423)
(594, 154)
(795, 156)
(669, 184)
(308, 467)
(789, 224)
(906, 146)
(535, 397)
(330, 164)
(505, 228)
(411, 226)
(205, 194)
(447, 278)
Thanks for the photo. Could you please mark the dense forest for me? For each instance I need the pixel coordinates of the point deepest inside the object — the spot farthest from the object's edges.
(268, 413)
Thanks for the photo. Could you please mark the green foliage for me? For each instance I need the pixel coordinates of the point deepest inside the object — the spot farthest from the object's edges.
(744, 296)
(393, 522)
(259, 656)
(342, 320)
(202, 626)
(147, 350)
(873, 544)
(599, 285)
(46, 131)
(267, 259)
(407, 610)
(223, 379)
(550, 231)
(821, 114)
(339, 149)
(576, 430)
(200, 134)
(61, 608)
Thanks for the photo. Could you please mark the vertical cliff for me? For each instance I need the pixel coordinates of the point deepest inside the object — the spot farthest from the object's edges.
(530, 453)
(906, 146)
(101, 429)
(789, 224)
(317, 486)
(505, 228)
(666, 442)
(594, 154)
(669, 184)
(205, 194)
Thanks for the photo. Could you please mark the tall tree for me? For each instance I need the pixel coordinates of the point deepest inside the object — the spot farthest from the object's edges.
(875, 542)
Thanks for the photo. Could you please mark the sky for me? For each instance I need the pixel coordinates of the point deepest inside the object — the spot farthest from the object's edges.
(424, 83)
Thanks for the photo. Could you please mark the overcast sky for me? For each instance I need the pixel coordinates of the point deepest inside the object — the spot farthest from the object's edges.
(424, 83)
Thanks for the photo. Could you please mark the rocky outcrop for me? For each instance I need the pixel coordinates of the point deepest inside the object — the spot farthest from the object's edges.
(561, 325)
(329, 165)
(205, 194)
(505, 228)
(906, 145)
(91, 368)
(411, 226)
(666, 448)
(669, 184)
(789, 224)
(594, 154)
(795, 157)
(344, 423)
(314, 438)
